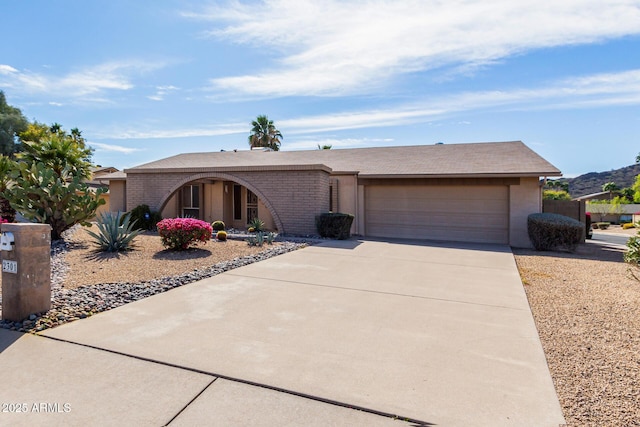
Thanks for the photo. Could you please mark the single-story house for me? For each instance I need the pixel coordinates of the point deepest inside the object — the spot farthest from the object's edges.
(480, 192)
(613, 213)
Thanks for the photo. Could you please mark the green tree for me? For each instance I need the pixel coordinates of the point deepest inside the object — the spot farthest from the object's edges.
(555, 195)
(610, 187)
(47, 183)
(627, 194)
(636, 190)
(557, 185)
(12, 122)
(325, 147)
(598, 207)
(264, 134)
(7, 213)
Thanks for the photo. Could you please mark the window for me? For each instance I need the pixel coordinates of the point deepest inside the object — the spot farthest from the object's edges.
(252, 205)
(191, 201)
(237, 202)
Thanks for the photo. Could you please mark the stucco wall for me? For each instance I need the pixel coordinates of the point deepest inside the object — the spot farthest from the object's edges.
(524, 199)
(347, 198)
(213, 201)
(117, 196)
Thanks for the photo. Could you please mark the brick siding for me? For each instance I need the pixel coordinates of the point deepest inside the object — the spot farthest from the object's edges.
(293, 196)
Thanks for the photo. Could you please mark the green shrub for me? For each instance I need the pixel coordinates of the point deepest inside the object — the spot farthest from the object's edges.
(632, 256)
(43, 195)
(555, 195)
(112, 236)
(218, 226)
(603, 225)
(549, 231)
(145, 218)
(257, 224)
(180, 233)
(334, 225)
(221, 235)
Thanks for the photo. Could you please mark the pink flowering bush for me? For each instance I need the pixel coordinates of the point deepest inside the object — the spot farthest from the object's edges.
(180, 233)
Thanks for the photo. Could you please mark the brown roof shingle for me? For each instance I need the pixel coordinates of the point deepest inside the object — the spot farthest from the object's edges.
(450, 160)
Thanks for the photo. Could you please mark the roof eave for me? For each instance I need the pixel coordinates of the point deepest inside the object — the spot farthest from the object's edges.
(471, 175)
(248, 168)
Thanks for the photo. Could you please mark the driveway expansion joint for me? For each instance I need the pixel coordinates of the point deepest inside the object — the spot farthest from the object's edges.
(453, 301)
(190, 402)
(215, 376)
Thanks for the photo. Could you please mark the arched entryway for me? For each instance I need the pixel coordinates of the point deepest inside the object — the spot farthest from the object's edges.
(220, 196)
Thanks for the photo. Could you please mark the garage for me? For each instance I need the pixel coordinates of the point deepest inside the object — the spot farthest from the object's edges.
(438, 212)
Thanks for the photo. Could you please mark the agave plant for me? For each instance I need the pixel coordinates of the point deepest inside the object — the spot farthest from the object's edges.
(257, 224)
(112, 236)
(260, 238)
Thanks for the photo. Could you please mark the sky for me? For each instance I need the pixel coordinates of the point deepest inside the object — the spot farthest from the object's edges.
(148, 79)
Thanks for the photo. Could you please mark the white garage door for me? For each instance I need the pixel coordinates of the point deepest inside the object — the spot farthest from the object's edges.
(454, 213)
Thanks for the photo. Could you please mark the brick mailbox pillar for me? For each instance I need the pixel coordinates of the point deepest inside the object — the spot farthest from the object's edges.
(26, 270)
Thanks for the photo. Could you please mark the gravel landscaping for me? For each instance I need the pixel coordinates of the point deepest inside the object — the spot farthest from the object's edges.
(587, 311)
(85, 282)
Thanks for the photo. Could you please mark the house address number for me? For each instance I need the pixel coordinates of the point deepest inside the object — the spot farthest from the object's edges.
(10, 266)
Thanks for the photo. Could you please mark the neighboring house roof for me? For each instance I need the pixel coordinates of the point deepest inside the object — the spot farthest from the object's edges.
(505, 159)
(621, 209)
(115, 176)
(98, 176)
(601, 195)
(102, 170)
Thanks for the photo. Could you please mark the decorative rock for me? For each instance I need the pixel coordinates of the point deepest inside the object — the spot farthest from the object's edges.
(72, 304)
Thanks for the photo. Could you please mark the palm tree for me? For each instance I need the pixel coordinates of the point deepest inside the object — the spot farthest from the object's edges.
(264, 134)
(610, 187)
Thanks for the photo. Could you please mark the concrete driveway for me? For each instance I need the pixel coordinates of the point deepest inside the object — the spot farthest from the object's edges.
(431, 333)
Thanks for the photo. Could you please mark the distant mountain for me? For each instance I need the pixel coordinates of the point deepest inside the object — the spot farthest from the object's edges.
(592, 182)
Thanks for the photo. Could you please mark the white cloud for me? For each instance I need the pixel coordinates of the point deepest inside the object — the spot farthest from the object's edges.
(161, 91)
(7, 69)
(159, 133)
(90, 81)
(589, 91)
(337, 47)
(307, 143)
(116, 148)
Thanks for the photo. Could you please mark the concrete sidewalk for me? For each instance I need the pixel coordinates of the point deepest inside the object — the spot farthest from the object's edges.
(439, 334)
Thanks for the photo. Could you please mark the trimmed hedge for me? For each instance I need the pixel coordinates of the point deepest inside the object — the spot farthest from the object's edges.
(334, 225)
(549, 231)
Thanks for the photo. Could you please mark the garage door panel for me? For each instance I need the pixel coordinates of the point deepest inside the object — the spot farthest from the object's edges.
(464, 206)
(442, 219)
(456, 213)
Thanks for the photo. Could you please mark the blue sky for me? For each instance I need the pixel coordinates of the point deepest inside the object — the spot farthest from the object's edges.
(148, 79)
